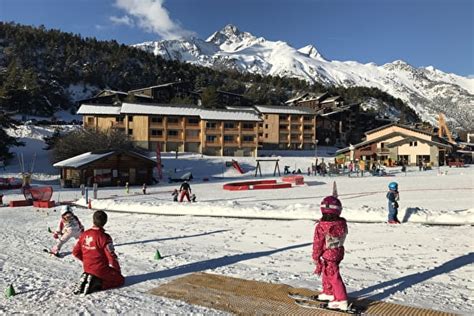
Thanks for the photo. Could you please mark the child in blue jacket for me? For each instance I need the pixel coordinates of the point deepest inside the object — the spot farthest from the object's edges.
(393, 196)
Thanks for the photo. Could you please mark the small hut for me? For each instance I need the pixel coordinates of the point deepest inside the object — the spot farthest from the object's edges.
(106, 168)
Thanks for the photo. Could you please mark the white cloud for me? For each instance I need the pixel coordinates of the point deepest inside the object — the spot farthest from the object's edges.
(124, 20)
(153, 17)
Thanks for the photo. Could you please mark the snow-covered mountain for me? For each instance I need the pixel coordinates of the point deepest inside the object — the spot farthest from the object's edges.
(427, 90)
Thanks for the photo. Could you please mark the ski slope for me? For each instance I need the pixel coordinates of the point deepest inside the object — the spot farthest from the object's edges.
(414, 263)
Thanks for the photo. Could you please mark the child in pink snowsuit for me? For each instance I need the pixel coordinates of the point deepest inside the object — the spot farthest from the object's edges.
(328, 252)
(69, 227)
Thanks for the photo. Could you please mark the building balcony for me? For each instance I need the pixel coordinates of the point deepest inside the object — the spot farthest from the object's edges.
(233, 143)
(214, 131)
(193, 126)
(382, 151)
(174, 125)
(212, 144)
(193, 138)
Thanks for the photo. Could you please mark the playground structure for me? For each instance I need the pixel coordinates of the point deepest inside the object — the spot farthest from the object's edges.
(258, 168)
(255, 185)
(36, 196)
(295, 179)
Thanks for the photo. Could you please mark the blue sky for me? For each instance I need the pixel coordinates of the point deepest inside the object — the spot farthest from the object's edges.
(439, 33)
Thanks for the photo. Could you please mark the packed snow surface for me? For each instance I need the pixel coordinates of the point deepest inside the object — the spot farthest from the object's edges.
(242, 234)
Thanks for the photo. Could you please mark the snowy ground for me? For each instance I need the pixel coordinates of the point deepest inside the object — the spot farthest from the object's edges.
(414, 263)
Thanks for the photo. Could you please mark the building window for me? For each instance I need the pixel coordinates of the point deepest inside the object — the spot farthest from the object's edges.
(266, 116)
(413, 144)
(210, 138)
(228, 138)
(248, 125)
(248, 138)
(307, 118)
(130, 118)
(173, 120)
(119, 119)
(193, 121)
(266, 135)
(211, 125)
(283, 117)
(172, 133)
(266, 125)
(130, 131)
(283, 127)
(156, 119)
(156, 132)
(229, 125)
(90, 120)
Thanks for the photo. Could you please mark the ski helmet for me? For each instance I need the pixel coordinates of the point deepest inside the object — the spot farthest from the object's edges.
(393, 186)
(66, 209)
(331, 205)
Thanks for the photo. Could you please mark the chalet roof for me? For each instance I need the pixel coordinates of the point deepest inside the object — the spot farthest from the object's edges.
(339, 109)
(331, 99)
(284, 109)
(109, 92)
(168, 84)
(399, 125)
(400, 142)
(89, 157)
(101, 109)
(421, 140)
(189, 110)
(297, 97)
(313, 96)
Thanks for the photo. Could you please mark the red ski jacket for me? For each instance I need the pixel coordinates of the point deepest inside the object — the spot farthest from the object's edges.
(329, 239)
(96, 251)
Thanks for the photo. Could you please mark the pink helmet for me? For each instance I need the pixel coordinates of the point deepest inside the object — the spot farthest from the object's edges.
(331, 205)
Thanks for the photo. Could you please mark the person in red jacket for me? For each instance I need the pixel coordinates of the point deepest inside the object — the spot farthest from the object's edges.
(328, 252)
(96, 251)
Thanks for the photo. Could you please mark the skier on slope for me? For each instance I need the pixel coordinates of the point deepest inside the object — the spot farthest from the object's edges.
(69, 226)
(328, 252)
(96, 251)
(393, 196)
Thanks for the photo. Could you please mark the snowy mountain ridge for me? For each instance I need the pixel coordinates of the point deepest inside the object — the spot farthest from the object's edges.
(427, 90)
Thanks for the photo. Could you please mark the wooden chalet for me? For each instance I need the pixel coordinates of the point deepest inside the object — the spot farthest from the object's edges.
(106, 168)
(396, 142)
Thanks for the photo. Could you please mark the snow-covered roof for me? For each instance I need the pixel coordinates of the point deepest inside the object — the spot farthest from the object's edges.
(89, 109)
(81, 160)
(188, 110)
(89, 157)
(283, 109)
(331, 99)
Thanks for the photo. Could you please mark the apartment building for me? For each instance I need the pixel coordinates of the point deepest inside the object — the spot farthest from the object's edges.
(179, 128)
(286, 127)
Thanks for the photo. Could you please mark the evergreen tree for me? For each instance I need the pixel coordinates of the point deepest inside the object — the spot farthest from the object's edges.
(7, 141)
(210, 98)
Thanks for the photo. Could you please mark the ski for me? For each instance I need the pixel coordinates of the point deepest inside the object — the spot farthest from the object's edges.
(57, 255)
(313, 298)
(314, 304)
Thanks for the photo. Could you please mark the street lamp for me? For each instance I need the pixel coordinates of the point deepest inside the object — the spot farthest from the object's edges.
(316, 152)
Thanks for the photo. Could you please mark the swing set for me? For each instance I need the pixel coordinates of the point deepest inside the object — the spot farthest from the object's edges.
(258, 169)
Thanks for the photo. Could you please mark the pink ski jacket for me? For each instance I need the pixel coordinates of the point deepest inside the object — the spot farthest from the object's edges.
(328, 242)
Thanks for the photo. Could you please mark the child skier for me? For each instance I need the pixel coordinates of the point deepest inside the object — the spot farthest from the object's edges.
(328, 252)
(96, 251)
(175, 195)
(393, 196)
(69, 226)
